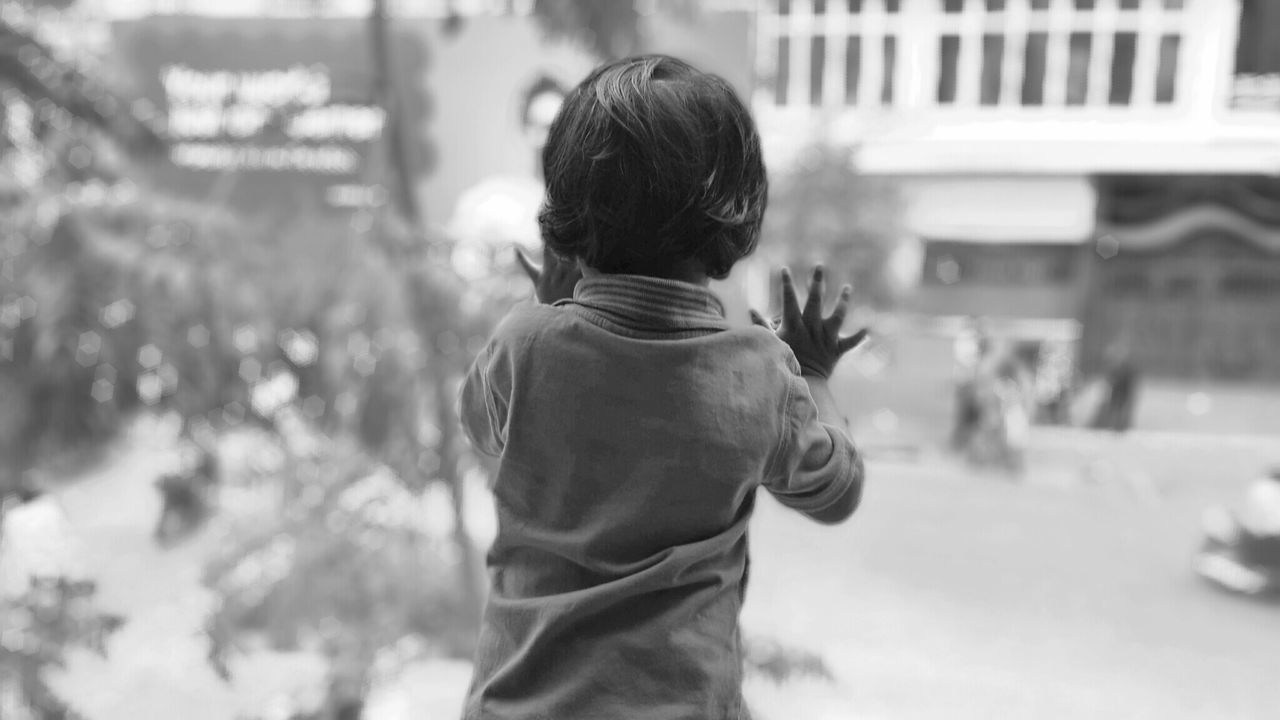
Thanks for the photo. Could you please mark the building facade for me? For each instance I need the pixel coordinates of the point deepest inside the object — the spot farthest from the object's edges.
(1107, 168)
(1049, 153)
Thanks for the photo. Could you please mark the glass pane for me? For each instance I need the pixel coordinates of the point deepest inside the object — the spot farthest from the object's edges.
(1033, 69)
(819, 7)
(1249, 284)
(1130, 4)
(1078, 68)
(1040, 4)
(784, 71)
(1126, 45)
(948, 59)
(992, 68)
(995, 4)
(817, 67)
(1174, 4)
(1084, 4)
(855, 6)
(784, 7)
(953, 6)
(890, 61)
(892, 5)
(852, 69)
(1167, 73)
(1257, 52)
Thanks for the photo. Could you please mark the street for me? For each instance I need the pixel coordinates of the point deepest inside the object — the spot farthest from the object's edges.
(956, 596)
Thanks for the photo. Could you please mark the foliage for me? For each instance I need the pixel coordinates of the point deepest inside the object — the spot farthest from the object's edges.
(130, 304)
(36, 630)
(610, 29)
(110, 305)
(114, 298)
(62, 93)
(824, 210)
(341, 559)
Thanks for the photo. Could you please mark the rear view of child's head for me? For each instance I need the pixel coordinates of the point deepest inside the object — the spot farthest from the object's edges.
(653, 167)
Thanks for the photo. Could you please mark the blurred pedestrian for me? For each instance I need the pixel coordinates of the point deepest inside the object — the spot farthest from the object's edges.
(1001, 392)
(633, 424)
(186, 495)
(1241, 551)
(972, 345)
(1120, 394)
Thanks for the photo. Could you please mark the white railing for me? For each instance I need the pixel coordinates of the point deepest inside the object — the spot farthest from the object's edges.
(951, 54)
(309, 8)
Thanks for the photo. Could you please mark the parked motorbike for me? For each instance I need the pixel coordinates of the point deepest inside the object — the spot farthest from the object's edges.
(1236, 559)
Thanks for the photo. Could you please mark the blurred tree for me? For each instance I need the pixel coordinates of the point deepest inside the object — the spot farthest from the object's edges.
(823, 210)
(344, 562)
(61, 131)
(36, 630)
(37, 75)
(610, 29)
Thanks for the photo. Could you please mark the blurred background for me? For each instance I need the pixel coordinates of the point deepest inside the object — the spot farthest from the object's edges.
(250, 246)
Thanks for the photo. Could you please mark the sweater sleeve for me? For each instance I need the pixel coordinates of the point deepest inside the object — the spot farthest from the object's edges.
(484, 400)
(816, 463)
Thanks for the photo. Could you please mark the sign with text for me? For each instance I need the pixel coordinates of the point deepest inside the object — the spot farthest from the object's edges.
(272, 116)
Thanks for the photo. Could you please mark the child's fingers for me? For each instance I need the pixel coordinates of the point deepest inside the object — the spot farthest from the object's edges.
(758, 319)
(533, 271)
(790, 304)
(836, 321)
(817, 289)
(845, 344)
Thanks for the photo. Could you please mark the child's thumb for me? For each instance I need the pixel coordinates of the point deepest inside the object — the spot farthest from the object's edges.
(529, 268)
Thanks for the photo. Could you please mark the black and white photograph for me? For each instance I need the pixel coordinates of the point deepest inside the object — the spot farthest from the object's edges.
(639, 359)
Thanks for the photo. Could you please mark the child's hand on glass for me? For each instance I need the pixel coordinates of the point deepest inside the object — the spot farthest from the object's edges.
(815, 340)
(553, 281)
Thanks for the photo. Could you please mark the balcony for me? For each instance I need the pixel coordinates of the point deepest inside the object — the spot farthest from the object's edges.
(1042, 86)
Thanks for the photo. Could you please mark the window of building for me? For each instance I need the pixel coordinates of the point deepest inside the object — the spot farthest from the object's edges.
(783, 77)
(1181, 286)
(1014, 264)
(1079, 58)
(890, 61)
(949, 52)
(1123, 51)
(1250, 285)
(992, 68)
(1129, 284)
(817, 62)
(1167, 74)
(1036, 49)
(852, 68)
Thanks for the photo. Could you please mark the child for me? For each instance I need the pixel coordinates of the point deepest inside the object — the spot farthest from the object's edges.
(633, 424)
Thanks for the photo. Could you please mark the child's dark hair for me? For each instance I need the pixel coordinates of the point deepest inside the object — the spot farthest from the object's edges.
(652, 163)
